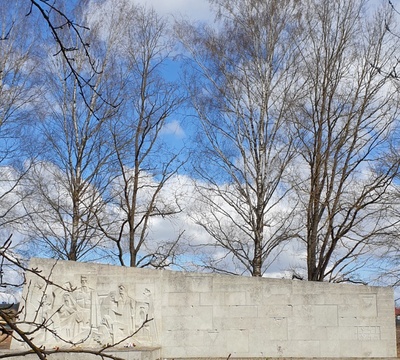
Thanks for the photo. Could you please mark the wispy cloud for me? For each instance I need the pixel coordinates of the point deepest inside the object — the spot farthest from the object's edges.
(173, 128)
(194, 9)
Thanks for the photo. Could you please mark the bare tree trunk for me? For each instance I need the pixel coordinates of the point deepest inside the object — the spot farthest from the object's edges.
(345, 123)
(70, 179)
(143, 164)
(241, 81)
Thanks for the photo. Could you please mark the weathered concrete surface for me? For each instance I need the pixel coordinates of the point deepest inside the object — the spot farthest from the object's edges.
(204, 315)
(77, 354)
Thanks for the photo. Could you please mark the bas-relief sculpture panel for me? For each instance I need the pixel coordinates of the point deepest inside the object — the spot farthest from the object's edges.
(203, 315)
(79, 314)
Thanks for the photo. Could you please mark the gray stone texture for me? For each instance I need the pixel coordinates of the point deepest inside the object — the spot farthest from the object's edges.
(207, 315)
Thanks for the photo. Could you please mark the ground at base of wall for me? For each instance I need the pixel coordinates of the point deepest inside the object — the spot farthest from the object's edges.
(6, 340)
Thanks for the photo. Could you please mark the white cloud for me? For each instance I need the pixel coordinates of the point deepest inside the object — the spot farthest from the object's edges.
(197, 10)
(173, 128)
(194, 9)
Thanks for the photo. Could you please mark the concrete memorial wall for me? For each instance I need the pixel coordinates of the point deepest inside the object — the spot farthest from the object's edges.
(208, 315)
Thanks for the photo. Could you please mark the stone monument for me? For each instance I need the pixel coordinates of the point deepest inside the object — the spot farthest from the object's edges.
(206, 315)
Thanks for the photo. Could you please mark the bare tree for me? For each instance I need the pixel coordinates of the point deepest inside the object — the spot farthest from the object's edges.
(386, 254)
(66, 180)
(69, 179)
(20, 92)
(143, 162)
(242, 82)
(345, 122)
(70, 37)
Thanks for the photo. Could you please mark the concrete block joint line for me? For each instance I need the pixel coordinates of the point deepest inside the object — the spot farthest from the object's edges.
(177, 315)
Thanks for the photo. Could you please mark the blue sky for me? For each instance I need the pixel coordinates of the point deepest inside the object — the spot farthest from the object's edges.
(197, 10)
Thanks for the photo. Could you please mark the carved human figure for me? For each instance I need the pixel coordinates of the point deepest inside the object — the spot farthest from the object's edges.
(69, 316)
(87, 304)
(108, 310)
(142, 315)
(108, 307)
(82, 315)
(123, 311)
(75, 311)
(144, 311)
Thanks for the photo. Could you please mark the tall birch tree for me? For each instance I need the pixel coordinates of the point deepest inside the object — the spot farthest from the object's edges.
(69, 176)
(242, 82)
(345, 124)
(143, 164)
